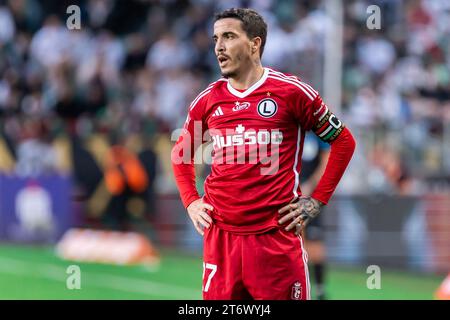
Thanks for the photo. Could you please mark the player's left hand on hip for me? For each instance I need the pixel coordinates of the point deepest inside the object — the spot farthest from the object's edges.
(299, 213)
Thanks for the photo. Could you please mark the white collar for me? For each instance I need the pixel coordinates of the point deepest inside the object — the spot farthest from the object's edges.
(255, 86)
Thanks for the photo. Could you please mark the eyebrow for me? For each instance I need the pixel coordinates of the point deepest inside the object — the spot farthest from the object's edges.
(224, 34)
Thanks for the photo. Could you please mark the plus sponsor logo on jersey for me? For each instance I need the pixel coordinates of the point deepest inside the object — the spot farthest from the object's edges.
(248, 146)
(240, 136)
(238, 106)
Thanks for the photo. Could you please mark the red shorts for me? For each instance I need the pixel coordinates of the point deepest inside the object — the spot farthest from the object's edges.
(267, 266)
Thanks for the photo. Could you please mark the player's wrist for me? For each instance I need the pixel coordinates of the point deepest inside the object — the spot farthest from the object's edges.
(191, 201)
(317, 196)
(319, 203)
(310, 207)
(312, 198)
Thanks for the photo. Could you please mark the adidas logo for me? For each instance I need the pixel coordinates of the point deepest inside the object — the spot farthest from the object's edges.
(218, 112)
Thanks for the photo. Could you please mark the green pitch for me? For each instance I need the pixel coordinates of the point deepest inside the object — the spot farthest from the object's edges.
(37, 273)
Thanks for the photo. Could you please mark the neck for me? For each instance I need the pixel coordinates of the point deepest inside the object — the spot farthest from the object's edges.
(247, 78)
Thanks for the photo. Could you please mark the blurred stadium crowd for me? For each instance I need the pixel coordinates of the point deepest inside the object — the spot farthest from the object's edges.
(127, 76)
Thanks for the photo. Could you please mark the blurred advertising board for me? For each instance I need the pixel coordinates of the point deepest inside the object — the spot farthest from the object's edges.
(394, 231)
(36, 210)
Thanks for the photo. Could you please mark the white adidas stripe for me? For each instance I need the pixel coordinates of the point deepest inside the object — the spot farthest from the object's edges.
(294, 83)
(203, 93)
(294, 78)
(305, 265)
(324, 113)
(194, 103)
(278, 73)
(310, 90)
(297, 180)
(319, 110)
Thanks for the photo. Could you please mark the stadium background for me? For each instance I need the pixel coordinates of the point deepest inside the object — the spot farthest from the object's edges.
(76, 103)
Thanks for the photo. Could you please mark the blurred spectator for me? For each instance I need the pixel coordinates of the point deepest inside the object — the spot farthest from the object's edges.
(381, 61)
(35, 156)
(49, 45)
(168, 53)
(7, 27)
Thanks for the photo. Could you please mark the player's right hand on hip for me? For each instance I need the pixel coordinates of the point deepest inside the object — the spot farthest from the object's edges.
(197, 211)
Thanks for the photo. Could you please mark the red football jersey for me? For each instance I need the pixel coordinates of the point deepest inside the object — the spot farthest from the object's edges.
(257, 139)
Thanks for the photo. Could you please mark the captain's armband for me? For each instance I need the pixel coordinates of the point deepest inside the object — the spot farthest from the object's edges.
(328, 127)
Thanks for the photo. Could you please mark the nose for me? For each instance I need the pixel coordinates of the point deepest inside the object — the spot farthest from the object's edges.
(219, 47)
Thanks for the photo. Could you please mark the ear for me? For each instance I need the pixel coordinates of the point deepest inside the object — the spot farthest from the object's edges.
(256, 44)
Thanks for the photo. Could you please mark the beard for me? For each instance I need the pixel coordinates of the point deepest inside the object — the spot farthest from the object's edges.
(228, 74)
(234, 71)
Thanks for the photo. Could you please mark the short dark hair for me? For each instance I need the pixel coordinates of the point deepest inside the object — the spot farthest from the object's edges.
(252, 23)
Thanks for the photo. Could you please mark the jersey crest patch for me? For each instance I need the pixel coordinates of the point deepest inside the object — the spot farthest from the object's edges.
(267, 108)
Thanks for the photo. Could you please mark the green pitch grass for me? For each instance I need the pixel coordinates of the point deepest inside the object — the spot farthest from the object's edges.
(37, 273)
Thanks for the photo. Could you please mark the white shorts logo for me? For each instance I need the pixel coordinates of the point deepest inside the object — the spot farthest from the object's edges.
(296, 291)
(267, 108)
